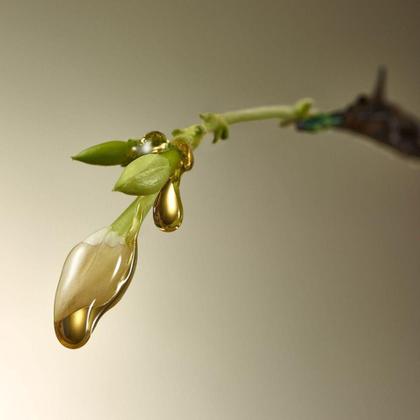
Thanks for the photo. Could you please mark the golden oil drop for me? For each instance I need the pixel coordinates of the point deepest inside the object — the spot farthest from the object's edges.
(167, 210)
(152, 142)
(95, 276)
(187, 161)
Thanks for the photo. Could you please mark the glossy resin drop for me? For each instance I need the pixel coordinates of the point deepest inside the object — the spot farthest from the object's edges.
(167, 210)
(95, 276)
(152, 142)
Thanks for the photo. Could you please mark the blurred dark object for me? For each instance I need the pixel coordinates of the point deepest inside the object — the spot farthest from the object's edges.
(375, 117)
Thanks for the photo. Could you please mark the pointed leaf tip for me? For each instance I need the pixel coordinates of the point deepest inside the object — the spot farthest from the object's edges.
(114, 152)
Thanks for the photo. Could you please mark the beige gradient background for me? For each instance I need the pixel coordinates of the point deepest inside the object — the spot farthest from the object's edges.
(292, 290)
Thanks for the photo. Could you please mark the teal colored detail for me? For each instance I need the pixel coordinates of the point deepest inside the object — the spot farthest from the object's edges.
(320, 122)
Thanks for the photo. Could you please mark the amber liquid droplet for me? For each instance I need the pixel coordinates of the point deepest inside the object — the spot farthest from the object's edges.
(95, 276)
(167, 210)
(187, 161)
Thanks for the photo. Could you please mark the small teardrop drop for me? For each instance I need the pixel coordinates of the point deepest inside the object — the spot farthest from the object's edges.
(95, 276)
(187, 161)
(167, 210)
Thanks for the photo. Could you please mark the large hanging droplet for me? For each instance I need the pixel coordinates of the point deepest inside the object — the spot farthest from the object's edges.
(167, 210)
(95, 276)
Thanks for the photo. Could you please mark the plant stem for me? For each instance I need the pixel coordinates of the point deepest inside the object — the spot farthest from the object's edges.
(133, 215)
(259, 113)
(216, 124)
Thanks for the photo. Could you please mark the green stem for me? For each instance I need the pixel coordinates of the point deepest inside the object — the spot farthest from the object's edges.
(129, 222)
(216, 124)
(260, 113)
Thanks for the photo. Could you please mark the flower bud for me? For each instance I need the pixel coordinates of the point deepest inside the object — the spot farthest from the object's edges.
(113, 152)
(95, 276)
(143, 176)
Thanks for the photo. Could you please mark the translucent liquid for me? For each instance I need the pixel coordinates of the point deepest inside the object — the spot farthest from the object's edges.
(94, 278)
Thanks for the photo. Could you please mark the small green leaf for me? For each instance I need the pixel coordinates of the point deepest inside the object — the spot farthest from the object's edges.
(113, 152)
(145, 175)
(303, 107)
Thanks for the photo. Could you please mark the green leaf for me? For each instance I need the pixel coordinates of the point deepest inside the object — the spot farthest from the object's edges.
(145, 175)
(302, 108)
(113, 152)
